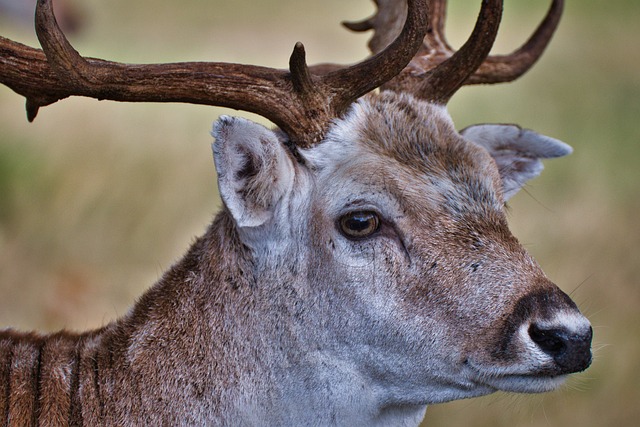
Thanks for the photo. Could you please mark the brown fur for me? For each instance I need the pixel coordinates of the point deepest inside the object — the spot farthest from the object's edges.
(133, 371)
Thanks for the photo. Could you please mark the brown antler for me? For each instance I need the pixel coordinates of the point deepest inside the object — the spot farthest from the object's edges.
(437, 71)
(299, 102)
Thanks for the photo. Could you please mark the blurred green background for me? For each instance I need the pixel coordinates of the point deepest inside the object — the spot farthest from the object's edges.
(97, 199)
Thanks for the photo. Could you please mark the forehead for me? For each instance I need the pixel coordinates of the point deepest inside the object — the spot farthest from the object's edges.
(412, 148)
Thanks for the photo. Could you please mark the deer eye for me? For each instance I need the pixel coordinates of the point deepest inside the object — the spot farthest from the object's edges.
(357, 225)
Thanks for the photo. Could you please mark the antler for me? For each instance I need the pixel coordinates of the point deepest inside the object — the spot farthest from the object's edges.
(300, 103)
(437, 71)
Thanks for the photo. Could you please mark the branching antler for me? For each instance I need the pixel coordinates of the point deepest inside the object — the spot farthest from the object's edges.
(300, 103)
(427, 78)
(303, 100)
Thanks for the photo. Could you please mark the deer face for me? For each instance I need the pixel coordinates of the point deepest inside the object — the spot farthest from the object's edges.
(394, 230)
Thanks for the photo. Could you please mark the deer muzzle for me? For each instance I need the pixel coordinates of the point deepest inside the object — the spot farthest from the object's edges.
(547, 333)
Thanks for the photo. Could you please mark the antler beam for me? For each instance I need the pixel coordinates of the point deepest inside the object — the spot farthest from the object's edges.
(300, 103)
(302, 100)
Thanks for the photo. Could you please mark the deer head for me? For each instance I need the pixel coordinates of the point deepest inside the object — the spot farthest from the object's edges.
(362, 266)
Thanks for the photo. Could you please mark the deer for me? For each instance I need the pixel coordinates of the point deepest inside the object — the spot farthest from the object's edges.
(361, 267)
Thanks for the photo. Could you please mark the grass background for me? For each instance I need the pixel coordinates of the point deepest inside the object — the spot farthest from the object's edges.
(97, 199)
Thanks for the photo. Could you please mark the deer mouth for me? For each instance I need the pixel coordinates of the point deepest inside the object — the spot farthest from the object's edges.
(522, 378)
(522, 383)
(537, 358)
(537, 374)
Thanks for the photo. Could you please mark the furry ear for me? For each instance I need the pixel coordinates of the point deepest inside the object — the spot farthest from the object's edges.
(516, 151)
(254, 170)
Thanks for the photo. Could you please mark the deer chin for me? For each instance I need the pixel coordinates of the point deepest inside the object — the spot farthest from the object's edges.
(536, 381)
(528, 383)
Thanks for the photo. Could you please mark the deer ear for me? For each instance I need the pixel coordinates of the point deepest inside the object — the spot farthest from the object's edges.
(516, 151)
(254, 169)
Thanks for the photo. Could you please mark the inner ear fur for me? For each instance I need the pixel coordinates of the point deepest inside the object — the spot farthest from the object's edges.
(254, 169)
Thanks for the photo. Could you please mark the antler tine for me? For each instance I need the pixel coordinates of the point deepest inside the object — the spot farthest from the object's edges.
(441, 82)
(505, 68)
(300, 103)
(472, 65)
(245, 87)
(342, 85)
(387, 21)
(383, 66)
(435, 38)
(428, 77)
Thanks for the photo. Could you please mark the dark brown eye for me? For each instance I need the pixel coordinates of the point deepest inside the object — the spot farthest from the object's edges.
(357, 225)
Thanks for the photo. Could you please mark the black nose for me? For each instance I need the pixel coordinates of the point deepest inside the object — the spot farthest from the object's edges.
(571, 351)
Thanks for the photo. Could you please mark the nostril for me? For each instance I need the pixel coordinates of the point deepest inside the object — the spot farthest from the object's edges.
(571, 351)
(551, 341)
